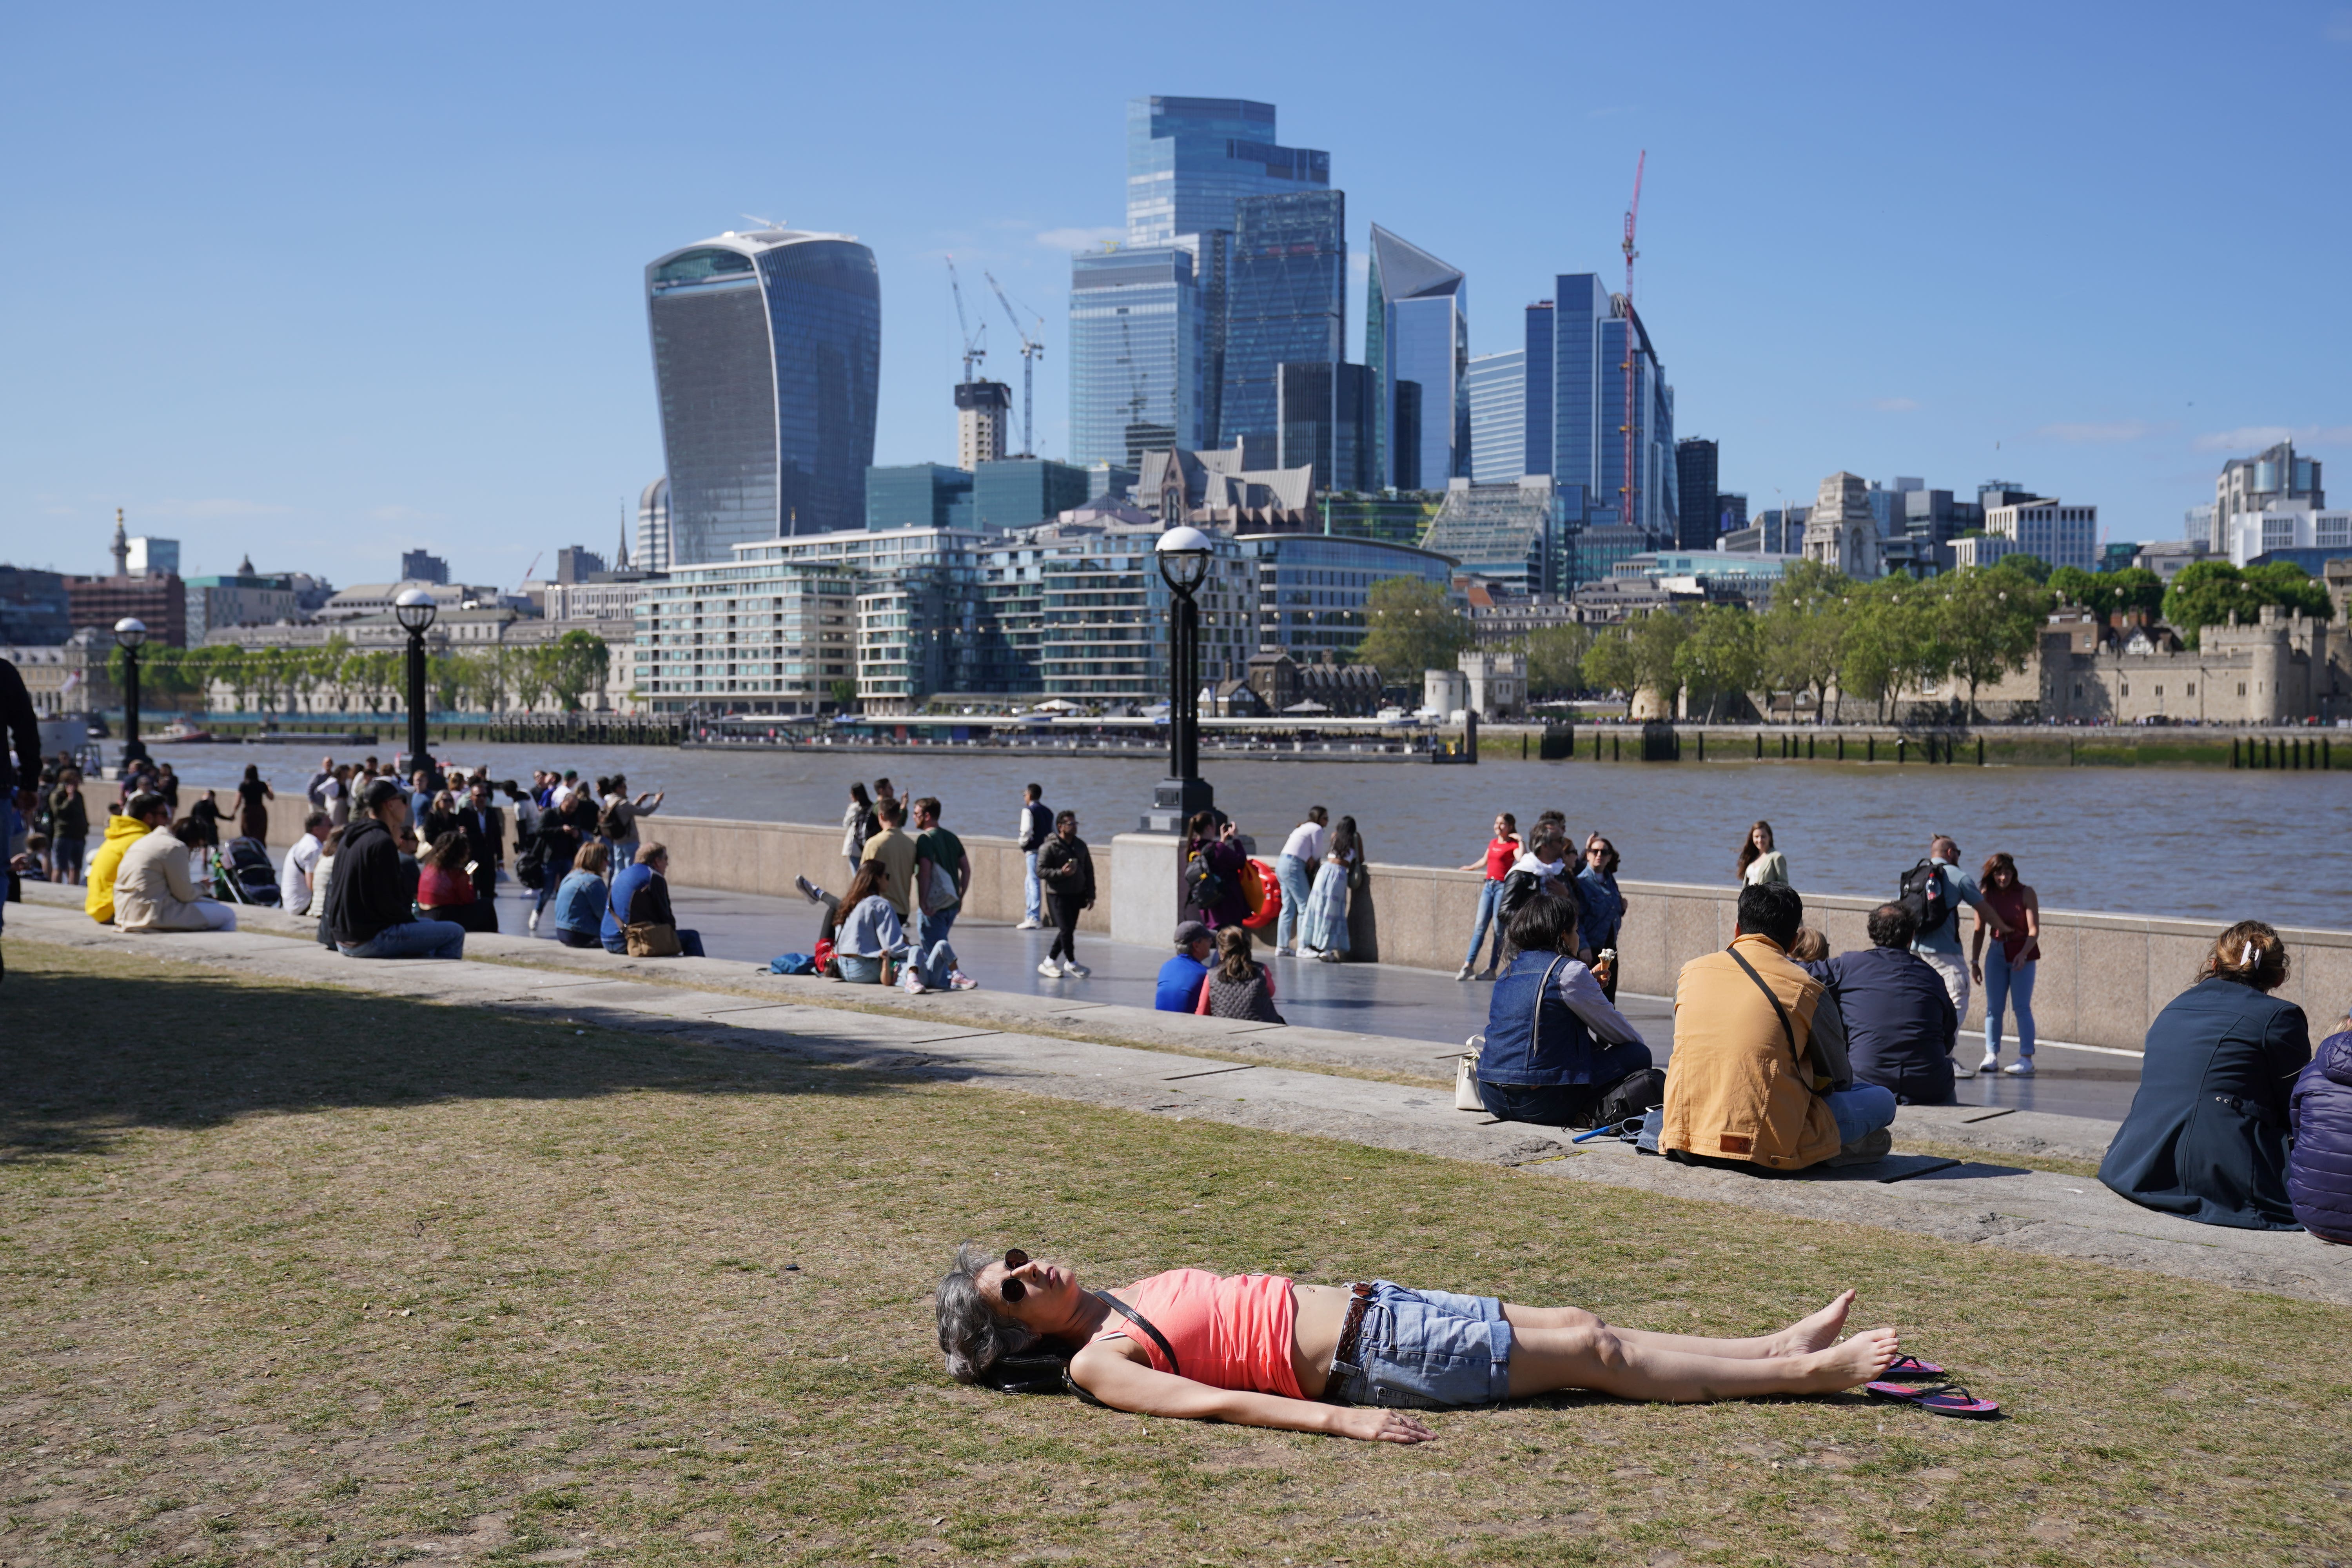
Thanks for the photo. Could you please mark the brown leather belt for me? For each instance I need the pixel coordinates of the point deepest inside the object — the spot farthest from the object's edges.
(1352, 1334)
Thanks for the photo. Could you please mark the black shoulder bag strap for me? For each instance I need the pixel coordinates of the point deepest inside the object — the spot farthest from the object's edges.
(1787, 1029)
(1140, 1321)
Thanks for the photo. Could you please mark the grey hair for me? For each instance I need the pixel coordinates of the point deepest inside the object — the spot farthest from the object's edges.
(974, 1335)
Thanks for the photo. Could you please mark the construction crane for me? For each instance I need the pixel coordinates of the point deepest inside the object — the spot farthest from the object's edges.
(532, 568)
(1627, 492)
(1032, 350)
(973, 341)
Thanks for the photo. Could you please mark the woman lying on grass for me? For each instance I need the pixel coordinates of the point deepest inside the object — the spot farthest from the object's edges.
(1263, 1351)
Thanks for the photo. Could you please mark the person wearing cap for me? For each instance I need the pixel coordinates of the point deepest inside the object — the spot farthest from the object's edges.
(369, 905)
(1180, 977)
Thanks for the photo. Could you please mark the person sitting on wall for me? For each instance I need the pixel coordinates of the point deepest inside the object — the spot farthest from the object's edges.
(141, 815)
(1900, 1025)
(2319, 1113)
(372, 893)
(1556, 1051)
(2207, 1135)
(152, 887)
(640, 897)
(1179, 988)
(1750, 1084)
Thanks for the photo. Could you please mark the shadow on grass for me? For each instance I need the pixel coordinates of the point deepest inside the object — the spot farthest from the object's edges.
(93, 1048)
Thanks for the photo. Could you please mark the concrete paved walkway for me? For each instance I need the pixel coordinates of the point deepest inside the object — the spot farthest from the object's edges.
(1172, 1065)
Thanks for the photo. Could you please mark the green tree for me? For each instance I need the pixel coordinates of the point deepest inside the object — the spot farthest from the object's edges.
(2029, 566)
(1723, 657)
(2207, 594)
(2289, 586)
(1802, 631)
(2093, 590)
(2136, 588)
(1609, 665)
(1412, 627)
(845, 695)
(1657, 638)
(578, 667)
(448, 676)
(1556, 660)
(1890, 639)
(1986, 624)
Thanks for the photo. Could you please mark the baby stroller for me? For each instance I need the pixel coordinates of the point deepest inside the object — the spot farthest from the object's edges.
(246, 875)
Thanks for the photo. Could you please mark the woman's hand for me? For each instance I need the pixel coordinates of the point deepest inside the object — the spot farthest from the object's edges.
(1371, 1426)
(1976, 970)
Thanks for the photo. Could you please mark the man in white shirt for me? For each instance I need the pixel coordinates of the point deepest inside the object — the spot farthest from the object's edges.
(294, 877)
(1036, 826)
(326, 772)
(1294, 869)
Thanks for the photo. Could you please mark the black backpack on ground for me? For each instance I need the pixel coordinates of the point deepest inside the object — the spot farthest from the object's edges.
(1925, 889)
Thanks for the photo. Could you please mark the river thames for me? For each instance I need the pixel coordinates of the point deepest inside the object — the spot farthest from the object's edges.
(2180, 842)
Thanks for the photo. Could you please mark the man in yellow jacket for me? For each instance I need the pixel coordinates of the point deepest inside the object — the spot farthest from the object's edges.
(1759, 1074)
(141, 815)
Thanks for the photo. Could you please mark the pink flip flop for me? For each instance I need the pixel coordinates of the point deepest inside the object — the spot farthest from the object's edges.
(1939, 1399)
(1910, 1368)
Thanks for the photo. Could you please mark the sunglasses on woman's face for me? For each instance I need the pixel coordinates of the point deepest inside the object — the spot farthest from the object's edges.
(1013, 1289)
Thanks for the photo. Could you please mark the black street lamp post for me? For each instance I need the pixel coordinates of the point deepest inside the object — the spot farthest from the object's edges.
(415, 609)
(131, 634)
(1183, 554)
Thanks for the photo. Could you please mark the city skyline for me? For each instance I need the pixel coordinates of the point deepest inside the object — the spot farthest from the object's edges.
(330, 417)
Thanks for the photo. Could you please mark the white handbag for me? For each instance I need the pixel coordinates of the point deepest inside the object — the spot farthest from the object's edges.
(1465, 1077)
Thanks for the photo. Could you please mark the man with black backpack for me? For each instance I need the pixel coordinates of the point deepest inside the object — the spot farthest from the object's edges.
(1934, 890)
(1036, 826)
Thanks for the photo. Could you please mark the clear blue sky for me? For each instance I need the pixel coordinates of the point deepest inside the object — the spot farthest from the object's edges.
(320, 284)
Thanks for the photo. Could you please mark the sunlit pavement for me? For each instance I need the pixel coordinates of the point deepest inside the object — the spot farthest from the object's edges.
(1365, 998)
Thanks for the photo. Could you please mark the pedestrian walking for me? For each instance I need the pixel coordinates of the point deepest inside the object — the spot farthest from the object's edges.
(317, 785)
(1294, 869)
(68, 826)
(1036, 826)
(1325, 934)
(2006, 969)
(1502, 850)
(1603, 912)
(943, 874)
(857, 826)
(252, 797)
(559, 841)
(1760, 864)
(1068, 868)
(1936, 889)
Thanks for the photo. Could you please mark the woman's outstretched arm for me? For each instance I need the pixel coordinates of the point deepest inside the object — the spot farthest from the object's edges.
(1119, 1382)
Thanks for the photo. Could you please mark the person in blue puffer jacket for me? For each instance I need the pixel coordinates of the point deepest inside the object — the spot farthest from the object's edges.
(2319, 1170)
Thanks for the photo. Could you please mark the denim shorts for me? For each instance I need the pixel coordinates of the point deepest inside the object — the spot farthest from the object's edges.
(1426, 1350)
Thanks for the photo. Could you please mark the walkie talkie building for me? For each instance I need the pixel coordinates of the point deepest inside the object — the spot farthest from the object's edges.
(767, 352)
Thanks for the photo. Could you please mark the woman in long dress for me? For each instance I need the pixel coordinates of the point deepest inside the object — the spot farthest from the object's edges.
(1324, 932)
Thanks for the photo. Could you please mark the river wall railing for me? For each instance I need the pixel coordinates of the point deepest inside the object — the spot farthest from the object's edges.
(2102, 977)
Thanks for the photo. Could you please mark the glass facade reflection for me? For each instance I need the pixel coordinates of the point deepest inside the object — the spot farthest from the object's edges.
(1497, 386)
(1189, 160)
(1285, 303)
(1137, 355)
(1325, 415)
(1313, 590)
(1576, 346)
(767, 353)
(1417, 328)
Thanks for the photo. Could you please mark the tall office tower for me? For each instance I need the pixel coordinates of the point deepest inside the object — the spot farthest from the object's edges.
(983, 413)
(1137, 345)
(1497, 390)
(150, 557)
(1694, 476)
(767, 355)
(1731, 512)
(653, 527)
(1575, 345)
(1325, 415)
(1417, 328)
(423, 566)
(1285, 303)
(2272, 479)
(1190, 162)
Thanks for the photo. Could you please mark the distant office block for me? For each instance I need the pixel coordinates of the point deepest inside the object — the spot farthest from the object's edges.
(1326, 416)
(1138, 352)
(2272, 479)
(1697, 517)
(1730, 510)
(1286, 302)
(1417, 328)
(34, 608)
(767, 353)
(1021, 493)
(152, 557)
(423, 566)
(1497, 386)
(577, 563)
(1577, 346)
(1190, 160)
(983, 413)
(918, 495)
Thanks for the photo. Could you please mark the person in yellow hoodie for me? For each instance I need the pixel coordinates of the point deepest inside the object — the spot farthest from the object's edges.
(141, 815)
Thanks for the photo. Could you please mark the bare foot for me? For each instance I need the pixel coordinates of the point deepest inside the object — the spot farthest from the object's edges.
(1853, 1362)
(1817, 1332)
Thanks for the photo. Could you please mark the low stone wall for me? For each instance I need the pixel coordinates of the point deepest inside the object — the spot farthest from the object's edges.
(2102, 978)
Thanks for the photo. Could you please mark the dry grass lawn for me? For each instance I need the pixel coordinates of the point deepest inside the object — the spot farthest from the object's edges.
(290, 1275)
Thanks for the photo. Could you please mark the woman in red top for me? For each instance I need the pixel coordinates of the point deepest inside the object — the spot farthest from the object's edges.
(1259, 1350)
(2006, 972)
(1502, 851)
(445, 888)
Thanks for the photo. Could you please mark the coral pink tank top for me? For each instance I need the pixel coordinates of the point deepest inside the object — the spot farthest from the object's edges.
(1228, 1331)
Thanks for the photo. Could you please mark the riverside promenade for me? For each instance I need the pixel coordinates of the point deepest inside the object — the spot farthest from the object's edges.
(1948, 1178)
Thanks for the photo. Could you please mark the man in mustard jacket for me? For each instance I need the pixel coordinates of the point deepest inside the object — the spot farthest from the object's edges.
(1758, 1075)
(141, 814)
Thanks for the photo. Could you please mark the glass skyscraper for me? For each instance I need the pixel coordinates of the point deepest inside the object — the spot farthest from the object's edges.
(1285, 303)
(1417, 328)
(767, 351)
(1325, 415)
(1576, 344)
(1137, 354)
(1189, 160)
(1498, 417)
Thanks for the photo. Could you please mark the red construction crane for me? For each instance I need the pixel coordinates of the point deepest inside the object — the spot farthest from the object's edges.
(1628, 493)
